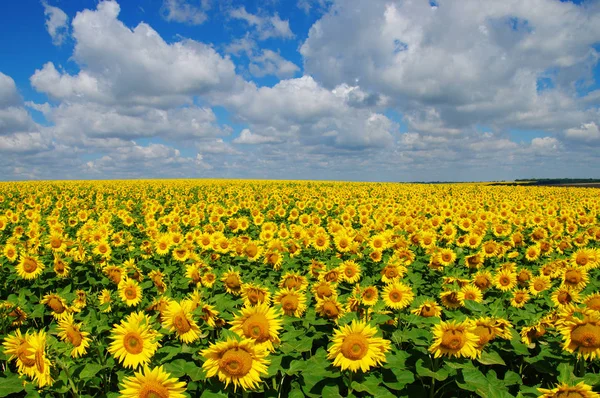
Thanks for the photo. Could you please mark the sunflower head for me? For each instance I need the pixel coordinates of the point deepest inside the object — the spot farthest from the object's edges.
(455, 339)
(259, 323)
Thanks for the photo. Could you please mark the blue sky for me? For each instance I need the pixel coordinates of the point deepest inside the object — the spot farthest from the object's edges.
(302, 89)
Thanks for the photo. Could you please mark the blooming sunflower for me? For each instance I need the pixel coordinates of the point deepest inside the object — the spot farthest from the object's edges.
(450, 299)
(35, 359)
(470, 292)
(454, 339)
(582, 335)
(17, 347)
(232, 281)
(10, 252)
(505, 280)
(427, 309)
(397, 295)
(329, 307)
(324, 289)
(538, 284)
(532, 333)
(29, 267)
(253, 294)
(294, 281)
(178, 318)
(575, 277)
(134, 340)
(350, 271)
(57, 305)
(130, 292)
(105, 300)
(519, 298)
(580, 390)
(369, 295)
(71, 332)
(61, 268)
(238, 362)
(355, 347)
(153, 382)
(564, 295)
(292, 302)
(260, 323)
(592, 301)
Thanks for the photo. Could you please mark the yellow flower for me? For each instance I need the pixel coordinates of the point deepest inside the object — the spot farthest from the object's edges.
(505, 280)
(580, 390)
(470, 292)
(397, 295)
(519, 298)
(575, 277)
(564, 295)
(253, 294)
(57, 305)
(130, 292)
(454, 339)
(369, 295)
(293, 302)
(329, 307)
(71, 332)
(10, 252)
(178, 318)
(582, 336)
(233, 283)
(324, 289)
(538, 284)
(134, 340)
(428, 309)
(29, 267)
(153, 382)
(260, 323)
(355, 347)
(105, 298)
(238, 362)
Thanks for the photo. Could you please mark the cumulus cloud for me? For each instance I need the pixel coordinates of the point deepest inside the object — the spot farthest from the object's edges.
(468, 62)
(57, 23)
(266, 27)
(120, 64)
(587, 132)
(249, 138)
(184, 12)
(269, 62)
(9, 95)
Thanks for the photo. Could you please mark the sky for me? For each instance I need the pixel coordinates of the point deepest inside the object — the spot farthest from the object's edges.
(358, 90)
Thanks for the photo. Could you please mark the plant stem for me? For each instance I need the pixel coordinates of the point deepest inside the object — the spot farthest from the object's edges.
(434, 368)
(581, 369)
(350, 383)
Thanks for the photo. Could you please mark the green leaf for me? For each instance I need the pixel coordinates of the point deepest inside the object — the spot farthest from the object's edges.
(474, 306)
(176, 368)
(298, 346)
(592, 379)
(440, 374)
(511, 378)
(330, 391)
(565, 373)
(90, 371)
(491, 358)
(10, 385)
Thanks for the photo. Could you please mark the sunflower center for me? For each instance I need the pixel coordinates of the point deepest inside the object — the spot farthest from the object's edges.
(395, 296)
(257, 327)
(29, 265)
(133, 343)
(355, 346)
(519, 297)
(55, 243)
(581, 260)
(391, 273)
(330, 310)
(594, 303)
(56, 305)
(59, 267)
(587, 335)
(24, 357)
(427, 311)
(181, 324)
(291, 282)
(453, 340)
(39, 361)
(256, 297)
(505, 281)
(236, 362)
(470, 296)
(350, 272)
(289, 303)
(539, 286)
(564, 297)
(485, 334)
(153, 389)
(569, 394)
(232, 282)
(573, 277)
(130, 293)
(74, 336)
(523, 277)
(369, 294)
(324, 291)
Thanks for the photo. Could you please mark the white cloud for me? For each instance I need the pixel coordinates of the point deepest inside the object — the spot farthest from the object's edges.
(249, 138)
(266, 27)
(184, 12)
(8, 92)
(119, 64)
(57, 23)
(271, 63)
(587, 132)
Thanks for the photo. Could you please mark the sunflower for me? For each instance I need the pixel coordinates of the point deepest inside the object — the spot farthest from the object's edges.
(505, 280)
(253, 294)
(130, 292)
(273, 258)
(532, 333)
(30, 352)
(447, 257)
(429, 308)
(134, 340)
(17, 347)
(470, 292)
(15, 313)
(178, 318)
(582, 336)
(369, 295)
(454, 339)
(564, 295)
(209, 315)
(397, 295)
(519, 298)
(233, 283)
(575, 277)
(105, 300)
(292, 302)
(320, 242)
(592, 301)
(475, 260)
(10, 252)
(350, 271)
(69, 331)
(533, 252)
(56, 304)
(538, 284)
(329, 307)
(392, 272)
(580, 390)
(29, 267)
(260, 323)
(450, 299)
(238, 362)
(293, 280)
(324, 289)
(483, 280)
(61, 268)
(486, 330)
(153, 382)
(355, 347)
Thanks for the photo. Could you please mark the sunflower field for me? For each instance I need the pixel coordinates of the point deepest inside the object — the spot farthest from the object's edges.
(216, 288)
